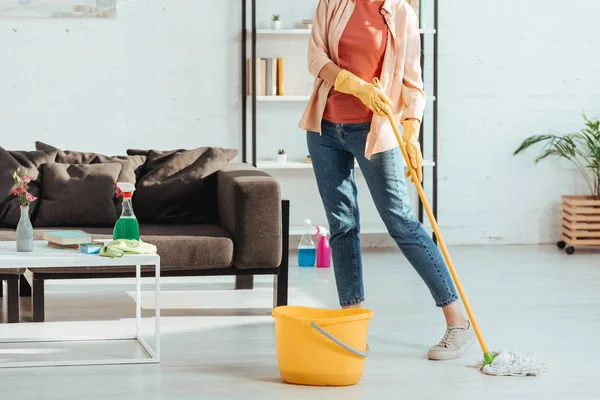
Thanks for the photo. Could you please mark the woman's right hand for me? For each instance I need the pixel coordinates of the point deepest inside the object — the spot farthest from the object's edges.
(375, 99)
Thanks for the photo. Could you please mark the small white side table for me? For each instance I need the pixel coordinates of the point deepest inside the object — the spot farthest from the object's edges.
(44, 256)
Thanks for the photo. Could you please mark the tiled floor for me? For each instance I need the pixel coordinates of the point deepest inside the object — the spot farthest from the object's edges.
(219, 344)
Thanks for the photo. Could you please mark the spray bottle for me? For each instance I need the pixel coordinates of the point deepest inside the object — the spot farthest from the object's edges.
(127, 226)
(323, 249)
(306, 249)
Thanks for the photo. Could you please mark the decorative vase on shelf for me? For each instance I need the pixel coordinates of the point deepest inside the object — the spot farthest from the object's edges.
(308, 23)
(281, 156)
(276, 22)
(24, 231)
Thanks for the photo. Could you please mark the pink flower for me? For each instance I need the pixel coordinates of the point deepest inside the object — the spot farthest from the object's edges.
(15, 192)
(19, 190)
(29, 197)
(26, 179)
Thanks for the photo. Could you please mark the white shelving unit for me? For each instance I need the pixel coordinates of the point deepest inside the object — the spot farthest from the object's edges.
(283, 98)
(296, 98)
(281, 31)
(299, 231)
(307, 31)
(295, 174)
(275, 165)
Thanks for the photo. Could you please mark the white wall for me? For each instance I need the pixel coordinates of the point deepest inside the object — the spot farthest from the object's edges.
(510, 69)
(165, 74)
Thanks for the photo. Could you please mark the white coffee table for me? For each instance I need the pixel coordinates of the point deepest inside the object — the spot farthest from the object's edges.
(44, 256)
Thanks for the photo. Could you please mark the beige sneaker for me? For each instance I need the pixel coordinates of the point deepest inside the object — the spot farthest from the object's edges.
(454, 343)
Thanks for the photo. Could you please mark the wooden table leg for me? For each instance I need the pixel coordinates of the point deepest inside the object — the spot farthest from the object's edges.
(12, 292)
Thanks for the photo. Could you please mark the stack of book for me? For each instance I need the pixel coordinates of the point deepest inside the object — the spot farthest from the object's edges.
(269, 76)
(73, 240)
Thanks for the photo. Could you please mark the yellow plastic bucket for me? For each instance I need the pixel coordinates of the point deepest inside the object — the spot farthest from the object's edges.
(320, 347)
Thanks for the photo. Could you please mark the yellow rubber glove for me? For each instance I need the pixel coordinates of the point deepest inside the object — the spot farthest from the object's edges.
(375, 99)
(413, 147)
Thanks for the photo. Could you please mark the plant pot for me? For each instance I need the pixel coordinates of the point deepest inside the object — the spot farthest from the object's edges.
(580, 222)
(276, 25)
(281, 158)
(24, 232)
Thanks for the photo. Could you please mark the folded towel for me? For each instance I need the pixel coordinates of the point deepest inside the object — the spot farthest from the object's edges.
(121, 247)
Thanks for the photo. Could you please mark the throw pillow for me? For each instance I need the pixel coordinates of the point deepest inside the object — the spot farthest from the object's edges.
(180, 186)
(131, 164)
(78, 195)
(137, 152)
(10, 211)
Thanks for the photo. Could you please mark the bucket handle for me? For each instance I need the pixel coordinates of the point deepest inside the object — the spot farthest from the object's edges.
(339, 342)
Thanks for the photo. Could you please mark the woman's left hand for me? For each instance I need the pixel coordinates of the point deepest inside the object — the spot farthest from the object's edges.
(412, 128)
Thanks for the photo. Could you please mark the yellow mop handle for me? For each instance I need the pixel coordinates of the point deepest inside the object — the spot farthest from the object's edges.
(436, 229)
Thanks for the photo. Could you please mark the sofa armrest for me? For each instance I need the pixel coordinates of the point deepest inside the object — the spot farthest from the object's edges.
(250, 209)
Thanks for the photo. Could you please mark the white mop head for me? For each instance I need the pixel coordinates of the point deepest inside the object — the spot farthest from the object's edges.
(511, 363)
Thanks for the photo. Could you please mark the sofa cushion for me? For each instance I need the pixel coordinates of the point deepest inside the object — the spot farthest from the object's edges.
(188, 246)
(10, 211)
(131, 164)
(180, 186)
(78, 195)
(181, 247)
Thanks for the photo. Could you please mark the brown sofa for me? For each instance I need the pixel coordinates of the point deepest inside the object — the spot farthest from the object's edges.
(247, 236)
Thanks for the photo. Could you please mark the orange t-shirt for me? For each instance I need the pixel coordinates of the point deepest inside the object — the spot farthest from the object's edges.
(361, 51)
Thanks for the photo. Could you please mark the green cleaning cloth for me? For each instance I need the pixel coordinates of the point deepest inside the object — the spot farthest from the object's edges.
(121, 247)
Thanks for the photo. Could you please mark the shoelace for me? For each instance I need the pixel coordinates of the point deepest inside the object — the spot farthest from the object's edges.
(448, 337)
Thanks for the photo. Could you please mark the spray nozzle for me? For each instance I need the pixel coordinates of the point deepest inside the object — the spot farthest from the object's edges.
(125, 188)
(321, 231)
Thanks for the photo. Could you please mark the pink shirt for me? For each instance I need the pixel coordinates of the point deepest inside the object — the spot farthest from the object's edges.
(400, 74)
(360, 51)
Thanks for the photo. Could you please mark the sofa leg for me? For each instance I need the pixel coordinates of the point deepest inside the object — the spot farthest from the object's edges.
(12, 292)
(281, 280)
(24, 287)
(37, 302)
(244, 282)
(281, 288)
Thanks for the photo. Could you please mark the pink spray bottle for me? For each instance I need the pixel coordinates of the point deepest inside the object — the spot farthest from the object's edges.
(323, 249)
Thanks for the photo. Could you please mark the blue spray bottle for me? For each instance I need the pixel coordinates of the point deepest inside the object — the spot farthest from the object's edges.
(307, 252)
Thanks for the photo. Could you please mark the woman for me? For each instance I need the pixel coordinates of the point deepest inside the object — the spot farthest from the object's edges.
(352, 42)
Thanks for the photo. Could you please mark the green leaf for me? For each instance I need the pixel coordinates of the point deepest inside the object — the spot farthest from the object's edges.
(580, 148)
(533, 140)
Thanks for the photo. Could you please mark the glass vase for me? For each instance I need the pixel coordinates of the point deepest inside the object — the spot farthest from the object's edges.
(24, 231)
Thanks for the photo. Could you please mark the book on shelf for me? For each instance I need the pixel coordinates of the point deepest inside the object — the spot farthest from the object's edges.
(280, 77)
(260, 83)
(269, 77)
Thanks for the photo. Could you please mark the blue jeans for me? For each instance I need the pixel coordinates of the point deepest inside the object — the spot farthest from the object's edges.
(333, 154)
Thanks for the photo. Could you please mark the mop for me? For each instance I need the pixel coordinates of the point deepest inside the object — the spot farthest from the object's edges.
(505, 362)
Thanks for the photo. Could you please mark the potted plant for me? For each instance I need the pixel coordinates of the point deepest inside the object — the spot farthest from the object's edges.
(24, 227)
(275, 22)
(281, 156)
(580, 214)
